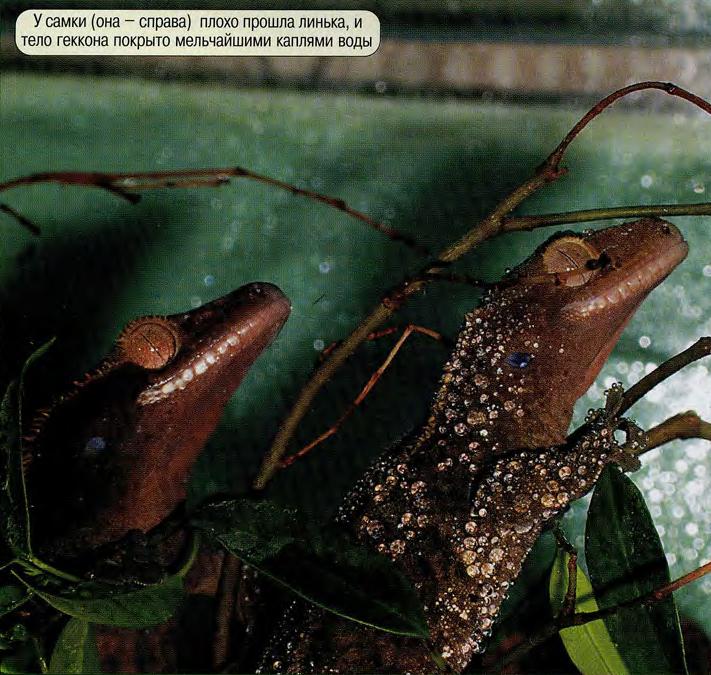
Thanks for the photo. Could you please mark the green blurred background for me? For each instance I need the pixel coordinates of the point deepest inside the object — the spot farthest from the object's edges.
(428, 152)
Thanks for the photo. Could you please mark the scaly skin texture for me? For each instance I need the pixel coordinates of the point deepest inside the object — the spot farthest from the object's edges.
(114, 454)
(459, 504)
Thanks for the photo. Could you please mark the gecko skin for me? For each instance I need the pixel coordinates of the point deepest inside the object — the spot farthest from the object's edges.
(114, 454)
(459, 504)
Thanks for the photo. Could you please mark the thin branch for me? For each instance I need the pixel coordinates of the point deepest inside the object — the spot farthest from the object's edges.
(571, 593)
(125, 186)
(561, 621)
(103, 181)
(657, 595)
(367, 388)
(487, 228)
(196, 178)
(682, 426)
(667, 87)
(25, 222)
(122, 183)
(699, 350)
(527, 223)
(229, 576)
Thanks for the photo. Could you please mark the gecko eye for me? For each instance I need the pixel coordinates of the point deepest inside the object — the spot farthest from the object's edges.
(519, 359)
(150, 342)
(570, 257)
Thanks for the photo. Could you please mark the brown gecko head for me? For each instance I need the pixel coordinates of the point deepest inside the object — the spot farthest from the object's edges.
(566, 306)
(114, 454)
(541, 336)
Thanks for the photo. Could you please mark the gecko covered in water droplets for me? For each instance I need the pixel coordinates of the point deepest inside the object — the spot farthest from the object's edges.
(459, 503)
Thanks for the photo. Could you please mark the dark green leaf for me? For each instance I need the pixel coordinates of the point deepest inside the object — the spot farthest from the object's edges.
(123, 608)
(259, 529)
(626, 560)
(11, 597)
(9, 638)
(23, 659)
(589, 646)
(13, 503)
(324, 567)
(75, 651)
(13, 498)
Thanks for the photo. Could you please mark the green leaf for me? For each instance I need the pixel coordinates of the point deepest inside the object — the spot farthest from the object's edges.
(11, 637)
(23, 659)
(123, 608)
(258, 529)
(626, 560)
(322, 566)
(11, 597)
(76, 651)
(13, 503)
(589, 646)
(13, 496)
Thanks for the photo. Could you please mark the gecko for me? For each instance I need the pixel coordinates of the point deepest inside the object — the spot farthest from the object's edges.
(459, 503)
(113, 454)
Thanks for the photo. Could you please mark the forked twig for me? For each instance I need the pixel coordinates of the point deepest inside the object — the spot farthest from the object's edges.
(683, 426)
(351, 408)
(126, 185)
(490, 226)
(699, 350)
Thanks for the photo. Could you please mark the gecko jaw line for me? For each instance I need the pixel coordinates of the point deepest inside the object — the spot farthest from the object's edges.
(645, 276)
(201, 365)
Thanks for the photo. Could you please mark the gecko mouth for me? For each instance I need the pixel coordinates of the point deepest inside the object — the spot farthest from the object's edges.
(631, 285)
(249, 326)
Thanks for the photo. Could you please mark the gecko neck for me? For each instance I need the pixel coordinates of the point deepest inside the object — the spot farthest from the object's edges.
(485, 406)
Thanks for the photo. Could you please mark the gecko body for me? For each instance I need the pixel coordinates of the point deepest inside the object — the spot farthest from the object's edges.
(460, 502)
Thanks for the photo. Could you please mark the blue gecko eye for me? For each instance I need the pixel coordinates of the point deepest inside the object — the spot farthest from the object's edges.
(519, 359)
(95, 445)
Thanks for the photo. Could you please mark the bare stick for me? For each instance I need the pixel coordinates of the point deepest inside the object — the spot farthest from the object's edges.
(656, 595)
(229, 575)
(518, 223)
(373, 336)
(571, 593)
(699, 350)
(487, 228)
(682, 426)
(667, 87)
(125, 185)
(560, 622)
(197, 178)
(409, 330)
(25, 222)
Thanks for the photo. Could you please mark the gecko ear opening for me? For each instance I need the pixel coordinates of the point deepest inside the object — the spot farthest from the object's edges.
(570, 255)
(150, 342)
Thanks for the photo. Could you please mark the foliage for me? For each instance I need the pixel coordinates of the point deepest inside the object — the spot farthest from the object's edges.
(322, 565)
(626, 561)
